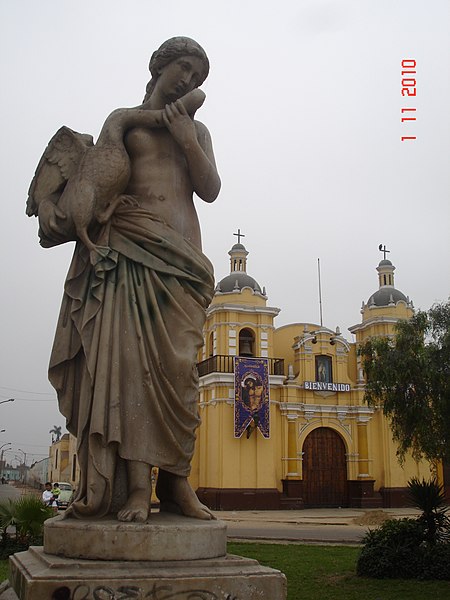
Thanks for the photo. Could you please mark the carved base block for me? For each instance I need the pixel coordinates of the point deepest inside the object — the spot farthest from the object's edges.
(39, 576)
(165, 536)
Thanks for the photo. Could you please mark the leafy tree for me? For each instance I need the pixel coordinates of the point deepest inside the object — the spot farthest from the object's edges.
(408, 375)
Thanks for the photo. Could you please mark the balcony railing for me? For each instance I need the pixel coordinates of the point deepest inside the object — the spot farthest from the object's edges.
(222, 363)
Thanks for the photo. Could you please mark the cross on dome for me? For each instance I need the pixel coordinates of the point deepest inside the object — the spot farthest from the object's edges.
(381, 248)
(239, 235)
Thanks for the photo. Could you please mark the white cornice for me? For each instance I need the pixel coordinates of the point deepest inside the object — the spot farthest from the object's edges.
(374, 321)
(318, 410)
(266, 310)
(213, 379)
(216, 379)
(235, 324)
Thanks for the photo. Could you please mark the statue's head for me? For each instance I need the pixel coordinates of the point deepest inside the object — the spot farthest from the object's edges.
(169, 51)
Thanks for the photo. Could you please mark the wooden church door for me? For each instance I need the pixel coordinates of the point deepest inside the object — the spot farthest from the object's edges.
(324, 469)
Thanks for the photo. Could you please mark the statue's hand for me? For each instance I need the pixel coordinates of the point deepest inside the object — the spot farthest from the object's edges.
(180, 124)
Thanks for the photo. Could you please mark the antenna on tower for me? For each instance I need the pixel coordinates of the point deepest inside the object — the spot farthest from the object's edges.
(320, 293)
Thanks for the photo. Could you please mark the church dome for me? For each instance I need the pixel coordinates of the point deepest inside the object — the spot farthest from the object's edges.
(237, 281)
(385, 296)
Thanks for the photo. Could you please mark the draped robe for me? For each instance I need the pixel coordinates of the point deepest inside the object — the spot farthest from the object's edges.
(124, 354)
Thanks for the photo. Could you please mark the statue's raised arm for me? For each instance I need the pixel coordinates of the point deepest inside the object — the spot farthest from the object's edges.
(78, 184)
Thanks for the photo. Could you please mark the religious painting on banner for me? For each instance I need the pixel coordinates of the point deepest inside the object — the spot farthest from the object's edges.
(251, 396)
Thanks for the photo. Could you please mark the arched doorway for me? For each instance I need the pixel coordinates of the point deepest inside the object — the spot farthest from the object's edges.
(324, 469)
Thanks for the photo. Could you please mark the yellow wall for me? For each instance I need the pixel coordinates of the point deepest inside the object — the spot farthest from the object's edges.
(58, 466)
(223, 462)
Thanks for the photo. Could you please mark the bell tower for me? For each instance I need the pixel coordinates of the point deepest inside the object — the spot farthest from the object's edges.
(384, 307)
(228, 471)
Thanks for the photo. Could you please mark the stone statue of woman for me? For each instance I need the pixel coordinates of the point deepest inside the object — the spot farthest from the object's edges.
(130, 326)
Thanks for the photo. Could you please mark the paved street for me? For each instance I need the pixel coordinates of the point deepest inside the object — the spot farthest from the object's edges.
(320, 525)
(9, 491)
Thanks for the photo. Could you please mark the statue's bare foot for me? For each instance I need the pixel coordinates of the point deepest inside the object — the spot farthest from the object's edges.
(136, 508)
(176, 495)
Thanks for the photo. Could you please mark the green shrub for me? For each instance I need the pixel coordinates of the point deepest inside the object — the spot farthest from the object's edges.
(399, 549)
(436, 562)
(27, 515)
(12, 546)
(411, 548)
(391, 550)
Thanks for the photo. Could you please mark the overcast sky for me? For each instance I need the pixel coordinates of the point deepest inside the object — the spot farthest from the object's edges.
(304, 108)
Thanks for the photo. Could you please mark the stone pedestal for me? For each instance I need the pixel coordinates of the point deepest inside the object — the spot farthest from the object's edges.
(121, 561)
(165, 537)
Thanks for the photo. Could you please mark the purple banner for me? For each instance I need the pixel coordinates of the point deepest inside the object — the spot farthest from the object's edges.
(251, 396)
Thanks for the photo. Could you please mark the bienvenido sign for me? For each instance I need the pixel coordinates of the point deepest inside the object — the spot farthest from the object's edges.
(320, 386)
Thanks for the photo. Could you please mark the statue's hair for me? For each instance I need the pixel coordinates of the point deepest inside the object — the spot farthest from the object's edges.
(169, 51)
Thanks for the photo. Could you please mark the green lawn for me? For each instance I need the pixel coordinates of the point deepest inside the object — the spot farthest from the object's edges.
(328, 573)
(3, 570)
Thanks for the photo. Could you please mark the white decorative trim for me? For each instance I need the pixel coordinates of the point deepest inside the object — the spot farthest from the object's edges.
(362, 419)
(267, 310)
(213, 379)
(216, 379)
(216, 401)
(310, 411)
(243, 324)
(374, 321)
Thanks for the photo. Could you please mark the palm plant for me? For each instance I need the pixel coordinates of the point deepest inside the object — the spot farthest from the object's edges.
(31, 513)
(27, 514)
(56, 433)
(7, 517)
(429, 497)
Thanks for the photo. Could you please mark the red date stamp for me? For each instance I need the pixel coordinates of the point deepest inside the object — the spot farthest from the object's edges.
(409, 89)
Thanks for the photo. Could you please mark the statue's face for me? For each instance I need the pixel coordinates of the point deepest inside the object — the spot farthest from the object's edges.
(180, 77)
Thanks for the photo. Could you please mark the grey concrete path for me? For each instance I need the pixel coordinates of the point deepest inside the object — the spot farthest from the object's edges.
(319, 525)
(9, 491)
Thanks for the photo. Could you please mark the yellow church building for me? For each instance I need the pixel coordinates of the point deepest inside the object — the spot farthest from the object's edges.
(326, 446)
(323, 446)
